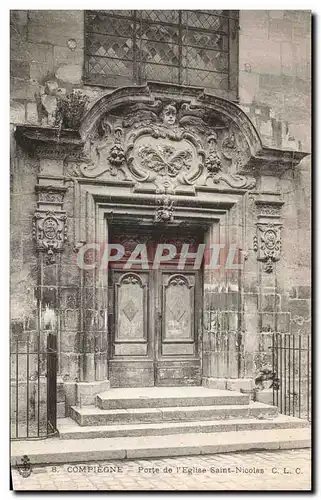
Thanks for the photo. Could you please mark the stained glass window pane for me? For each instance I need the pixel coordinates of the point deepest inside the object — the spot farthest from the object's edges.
(185, 47)
(110, 25)
(107, 46)
(159, 33)
(161, 16)
(160, 73)
(207, 79)
(205, 21)
(206, 40)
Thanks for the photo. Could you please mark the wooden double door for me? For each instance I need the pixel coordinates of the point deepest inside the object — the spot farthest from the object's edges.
(154, 327)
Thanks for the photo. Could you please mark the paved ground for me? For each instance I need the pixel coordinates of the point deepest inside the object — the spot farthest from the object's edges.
(274, 470)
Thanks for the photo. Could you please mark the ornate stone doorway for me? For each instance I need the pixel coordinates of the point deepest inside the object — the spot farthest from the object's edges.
(164, 156)
(155, 315)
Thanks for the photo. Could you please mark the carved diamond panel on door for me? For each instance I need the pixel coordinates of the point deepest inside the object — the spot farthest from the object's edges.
(178, 361)
(178, 313)
(131, 351)
(131, 315)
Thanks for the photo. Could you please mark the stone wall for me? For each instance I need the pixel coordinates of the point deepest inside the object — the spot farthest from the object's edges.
(46, 46)
(274, 68)
(275, 75)
(274, 90)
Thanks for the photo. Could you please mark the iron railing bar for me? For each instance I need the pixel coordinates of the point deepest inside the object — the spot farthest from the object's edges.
(284, 394)
(285, 374)
(281, 377)
(300, 376)
(38, 398)
(308, 379)
(28, 425)
(17, 386)
(27, 382)
(277, 368)
(289, 374)
(293, 376)
(273, 367)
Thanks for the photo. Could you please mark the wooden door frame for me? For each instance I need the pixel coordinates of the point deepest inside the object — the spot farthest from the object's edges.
(155, 304)
(113, 204)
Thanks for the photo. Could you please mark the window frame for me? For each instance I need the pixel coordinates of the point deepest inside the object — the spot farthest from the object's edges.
(137, 78)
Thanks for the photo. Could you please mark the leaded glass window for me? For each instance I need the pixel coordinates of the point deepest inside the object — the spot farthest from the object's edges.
(126, 47)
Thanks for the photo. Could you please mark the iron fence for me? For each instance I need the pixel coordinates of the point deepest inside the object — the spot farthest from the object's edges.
(291, 360)
(33, 386)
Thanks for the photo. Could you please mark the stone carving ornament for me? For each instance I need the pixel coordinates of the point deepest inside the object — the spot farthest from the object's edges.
(162, 152)
(164, 212)
(104, 152)
(213, 161)
(269, 209)
(165, 142)
(50, 233)
(267, 243)
(51, 197)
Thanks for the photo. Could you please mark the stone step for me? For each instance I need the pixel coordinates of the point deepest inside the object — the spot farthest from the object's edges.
(69, 429)
(91, 415)
(59, 451)
(155, 397)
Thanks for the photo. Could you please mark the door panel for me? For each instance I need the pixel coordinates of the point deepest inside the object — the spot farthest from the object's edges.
(177, 358)
(131, 309)
(131, 353)
(155, 326)
(178, 311)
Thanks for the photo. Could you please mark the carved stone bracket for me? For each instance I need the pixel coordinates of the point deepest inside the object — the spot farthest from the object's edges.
(267, 244)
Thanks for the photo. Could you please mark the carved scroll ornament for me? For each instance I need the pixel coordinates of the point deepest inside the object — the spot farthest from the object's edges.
(162, 141)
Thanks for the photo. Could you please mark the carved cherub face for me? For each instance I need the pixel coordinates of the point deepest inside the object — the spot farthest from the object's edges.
(169, 114)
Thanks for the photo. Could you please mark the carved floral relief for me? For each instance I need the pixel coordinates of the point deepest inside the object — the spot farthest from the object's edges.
(163, 142)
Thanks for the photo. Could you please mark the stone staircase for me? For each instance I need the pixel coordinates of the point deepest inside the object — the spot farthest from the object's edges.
(169, 421)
